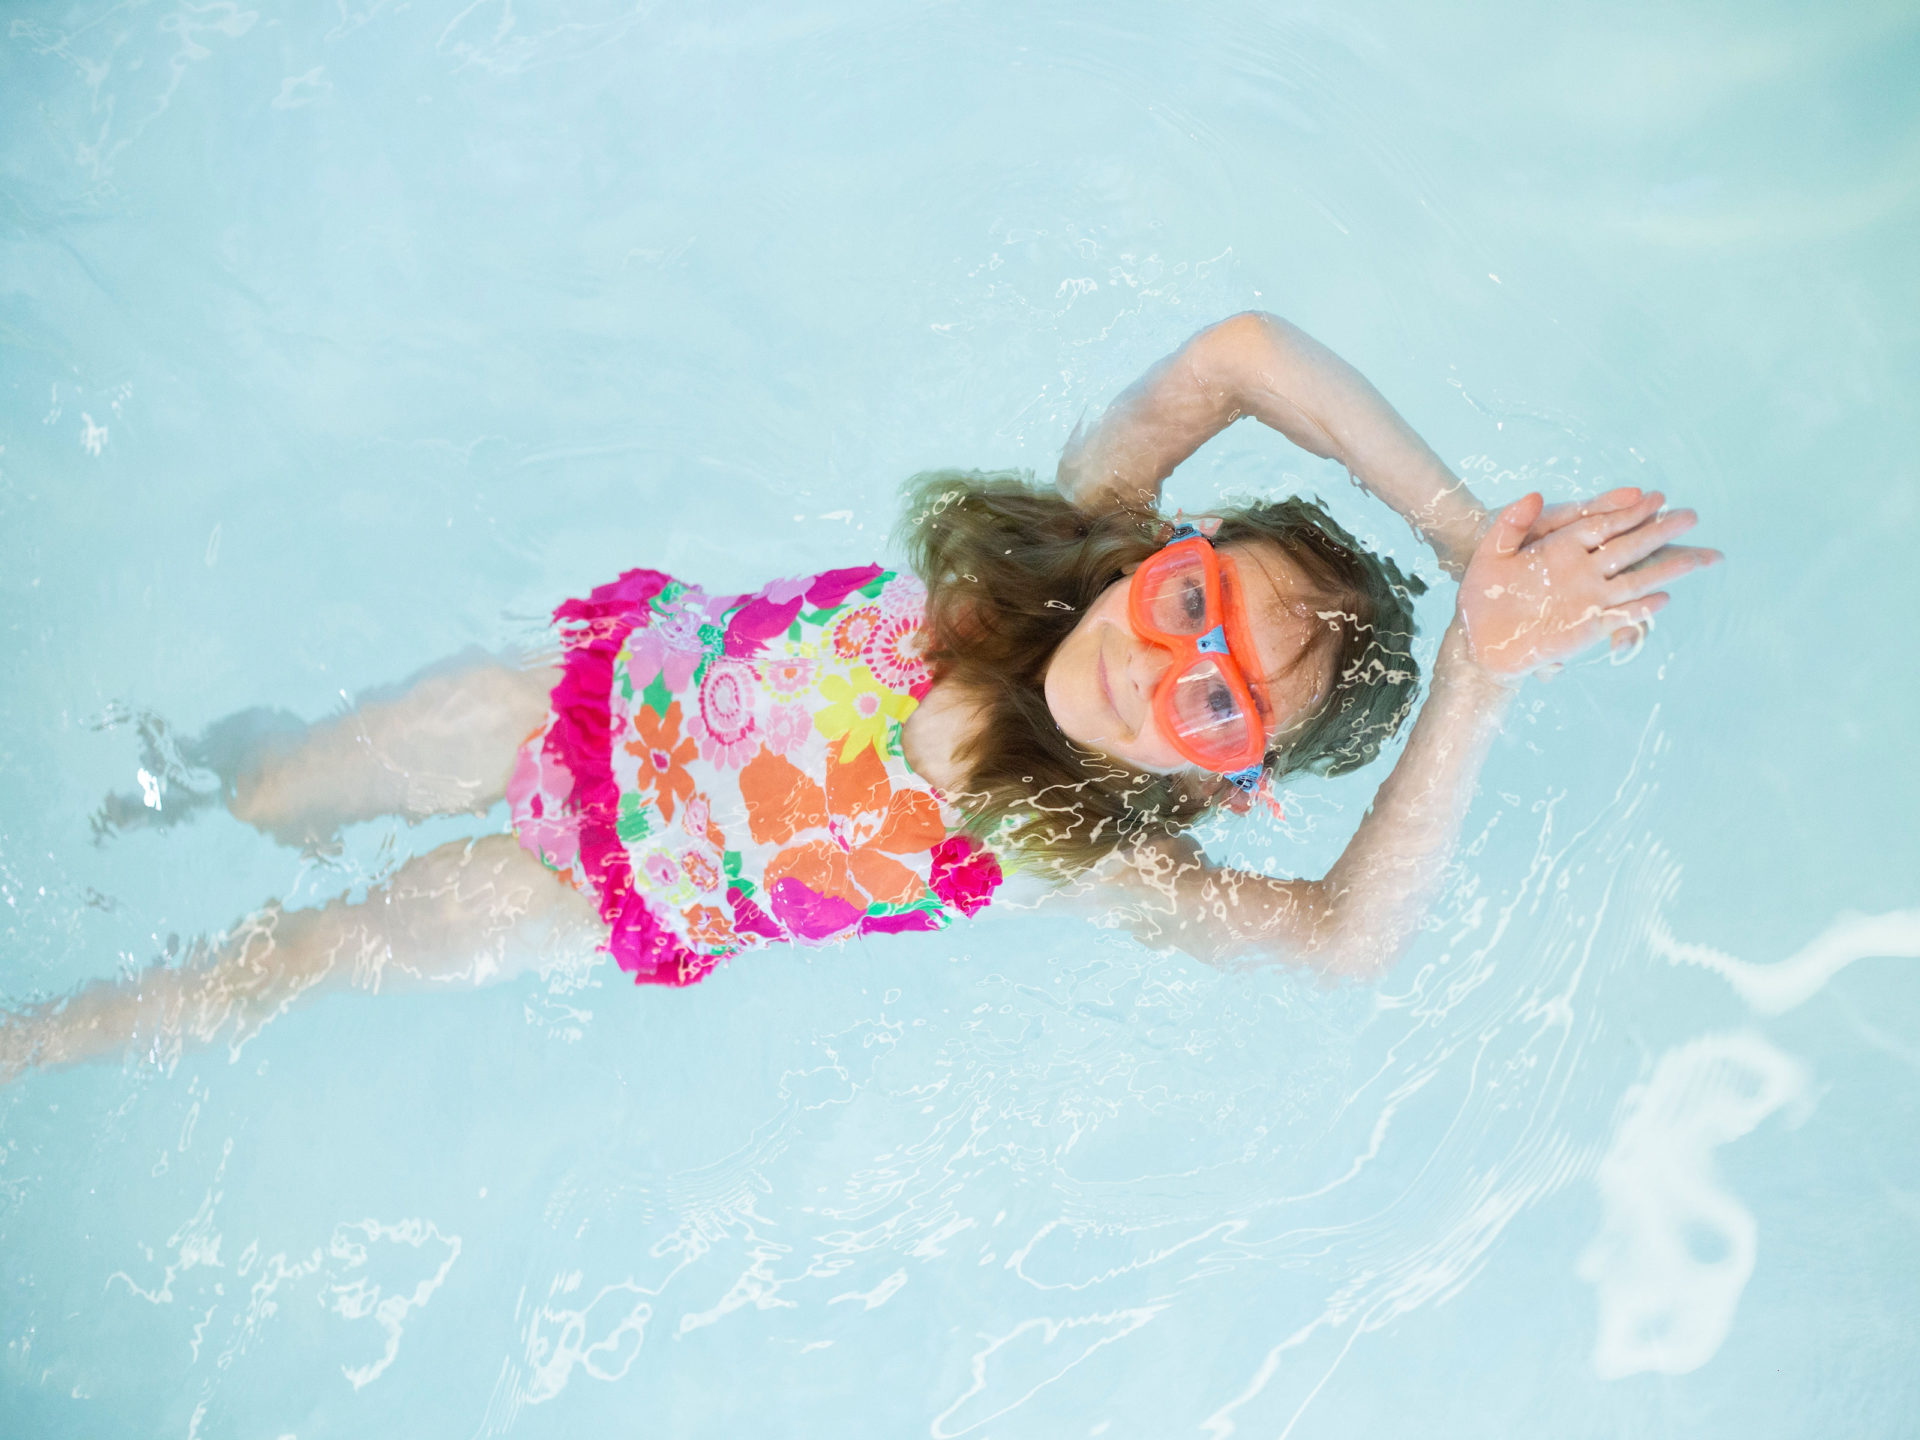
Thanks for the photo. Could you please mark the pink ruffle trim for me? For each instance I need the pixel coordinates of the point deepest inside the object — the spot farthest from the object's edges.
(581, 740)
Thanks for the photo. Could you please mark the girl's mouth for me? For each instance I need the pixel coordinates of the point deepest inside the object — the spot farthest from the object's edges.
(1106, 687)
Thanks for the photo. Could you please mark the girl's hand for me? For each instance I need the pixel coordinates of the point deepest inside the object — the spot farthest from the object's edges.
(1544, 585)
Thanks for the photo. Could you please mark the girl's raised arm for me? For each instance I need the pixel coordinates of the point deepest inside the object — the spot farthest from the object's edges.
(1257, 364)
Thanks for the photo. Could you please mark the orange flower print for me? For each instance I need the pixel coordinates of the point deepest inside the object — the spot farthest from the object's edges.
(853, 629)
(866, 823)
(708, 925)
(701, 870)
(663, 756)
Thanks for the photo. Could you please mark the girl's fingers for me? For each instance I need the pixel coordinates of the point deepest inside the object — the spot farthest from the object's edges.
(1635, 620)
(1558, 517)
(1595, 530)
(1661, 568)
(1641, 541)
(1509, 529)
(1636, 613)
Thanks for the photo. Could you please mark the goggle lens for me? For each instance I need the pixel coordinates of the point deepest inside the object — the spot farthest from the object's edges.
(1175, 598)
(1208, 714)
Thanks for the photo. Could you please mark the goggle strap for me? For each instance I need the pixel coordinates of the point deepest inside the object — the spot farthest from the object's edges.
(1182, 531)
(1249, 778)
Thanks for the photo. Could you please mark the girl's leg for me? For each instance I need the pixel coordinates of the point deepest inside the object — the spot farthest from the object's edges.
(442, 742)
(462, 915)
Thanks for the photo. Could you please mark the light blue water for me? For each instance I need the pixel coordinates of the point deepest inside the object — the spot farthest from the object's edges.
(338, 337)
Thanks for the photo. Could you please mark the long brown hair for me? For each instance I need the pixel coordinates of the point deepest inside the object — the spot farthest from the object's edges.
(1010, 568)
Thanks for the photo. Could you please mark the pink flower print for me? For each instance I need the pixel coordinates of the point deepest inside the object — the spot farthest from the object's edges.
(724, 727)
(537, 795)
(964, 875)
(696, 817)
(809, 915)
(893, 653)
(853, 629)
(660, 869)
(904, 595)
(756, 622)
(669, 647)
(790, 676)
(787, 728)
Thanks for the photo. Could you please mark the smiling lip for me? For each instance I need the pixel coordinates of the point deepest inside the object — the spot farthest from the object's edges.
(1105, 688)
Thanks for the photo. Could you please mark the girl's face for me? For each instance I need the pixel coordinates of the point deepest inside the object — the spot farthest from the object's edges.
(1099, 684)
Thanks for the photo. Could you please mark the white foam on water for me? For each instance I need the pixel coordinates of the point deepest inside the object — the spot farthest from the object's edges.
(359, 1291)
(1776, 988)
(1676, 1248)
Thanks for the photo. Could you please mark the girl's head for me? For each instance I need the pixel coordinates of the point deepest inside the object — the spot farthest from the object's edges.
(1027, 611)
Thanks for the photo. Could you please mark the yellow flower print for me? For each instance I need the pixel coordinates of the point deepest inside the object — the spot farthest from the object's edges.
(859, 707)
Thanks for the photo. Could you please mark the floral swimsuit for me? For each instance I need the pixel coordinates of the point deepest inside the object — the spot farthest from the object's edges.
(721, 772)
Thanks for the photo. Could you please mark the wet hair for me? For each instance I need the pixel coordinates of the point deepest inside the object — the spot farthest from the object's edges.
(1010, 568)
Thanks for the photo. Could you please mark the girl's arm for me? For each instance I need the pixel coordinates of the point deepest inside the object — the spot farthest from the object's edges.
(1531, 598)
(1257, 364)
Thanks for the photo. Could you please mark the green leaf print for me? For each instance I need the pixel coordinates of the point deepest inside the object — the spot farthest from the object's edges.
(636, 820)
(658, 697)
(874, 586)
(926, 903)
(730, 862)
(713, 642)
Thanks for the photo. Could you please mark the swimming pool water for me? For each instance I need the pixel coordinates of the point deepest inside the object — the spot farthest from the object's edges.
(338, 338)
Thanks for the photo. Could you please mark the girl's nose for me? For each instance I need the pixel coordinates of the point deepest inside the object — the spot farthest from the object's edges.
(1146, 664)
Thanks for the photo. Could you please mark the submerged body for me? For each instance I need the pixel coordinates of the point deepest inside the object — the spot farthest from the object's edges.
(826, 758)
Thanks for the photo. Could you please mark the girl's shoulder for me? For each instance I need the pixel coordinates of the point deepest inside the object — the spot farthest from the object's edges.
(939, 732)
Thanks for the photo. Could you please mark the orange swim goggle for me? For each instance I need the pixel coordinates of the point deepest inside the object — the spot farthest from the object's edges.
(1186, 598)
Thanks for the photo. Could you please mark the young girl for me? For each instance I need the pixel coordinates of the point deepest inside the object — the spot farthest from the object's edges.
(1068, 684)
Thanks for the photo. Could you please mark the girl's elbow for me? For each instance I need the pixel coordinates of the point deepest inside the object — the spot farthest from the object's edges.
(1352, 943)
(1248, 335)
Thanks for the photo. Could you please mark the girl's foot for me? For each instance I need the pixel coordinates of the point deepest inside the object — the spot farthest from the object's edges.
(179, 778)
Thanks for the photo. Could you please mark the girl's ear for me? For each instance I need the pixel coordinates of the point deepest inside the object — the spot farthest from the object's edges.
(962, 616)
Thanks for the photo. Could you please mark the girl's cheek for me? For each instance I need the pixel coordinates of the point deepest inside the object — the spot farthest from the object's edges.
(1150, 750)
